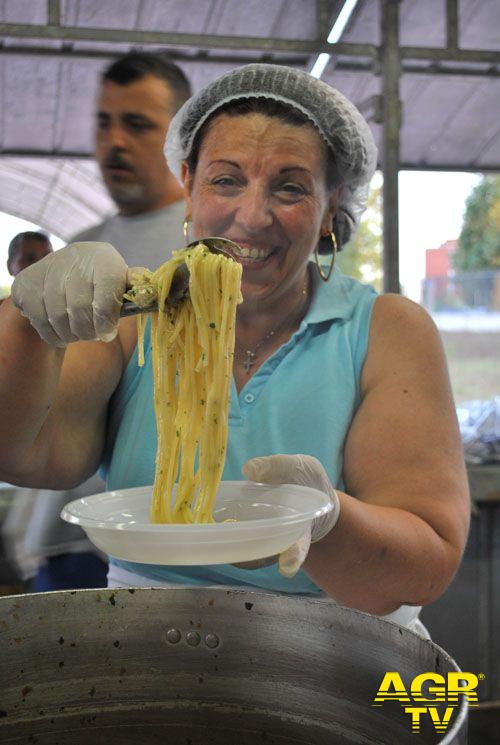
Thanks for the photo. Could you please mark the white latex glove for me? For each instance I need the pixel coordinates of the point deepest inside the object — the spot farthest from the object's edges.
(307, 471)
(72, 294)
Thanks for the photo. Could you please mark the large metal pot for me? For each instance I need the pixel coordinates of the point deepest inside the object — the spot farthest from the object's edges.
(196, 666)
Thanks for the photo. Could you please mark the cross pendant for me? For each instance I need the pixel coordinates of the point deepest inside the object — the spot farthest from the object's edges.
(249, 358)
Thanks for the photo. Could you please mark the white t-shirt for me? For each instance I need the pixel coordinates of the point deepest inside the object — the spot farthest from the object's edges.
(143, 240)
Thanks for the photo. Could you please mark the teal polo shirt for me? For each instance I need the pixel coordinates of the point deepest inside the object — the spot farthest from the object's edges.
(301, 400)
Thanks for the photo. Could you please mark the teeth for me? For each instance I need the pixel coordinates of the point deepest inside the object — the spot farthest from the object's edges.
(252, 253)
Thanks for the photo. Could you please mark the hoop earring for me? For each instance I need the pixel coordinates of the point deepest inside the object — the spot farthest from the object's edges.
(185, 228)
(326, 277)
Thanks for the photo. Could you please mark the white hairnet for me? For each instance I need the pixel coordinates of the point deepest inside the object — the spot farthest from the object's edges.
(338, 121)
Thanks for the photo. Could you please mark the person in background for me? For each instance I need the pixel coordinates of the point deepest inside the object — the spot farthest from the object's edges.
(138, 96)
(26, 248)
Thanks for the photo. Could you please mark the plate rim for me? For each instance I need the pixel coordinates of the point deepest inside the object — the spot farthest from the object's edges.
(93, 523)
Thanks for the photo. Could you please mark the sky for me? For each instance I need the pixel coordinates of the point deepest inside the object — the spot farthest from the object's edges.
(431, 211)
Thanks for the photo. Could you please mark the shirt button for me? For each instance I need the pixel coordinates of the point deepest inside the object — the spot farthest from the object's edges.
(249, 397)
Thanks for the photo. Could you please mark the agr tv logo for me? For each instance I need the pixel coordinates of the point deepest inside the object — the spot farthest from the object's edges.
(426, 691)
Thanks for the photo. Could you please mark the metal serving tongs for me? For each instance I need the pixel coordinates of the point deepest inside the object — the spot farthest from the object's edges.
(180, 281)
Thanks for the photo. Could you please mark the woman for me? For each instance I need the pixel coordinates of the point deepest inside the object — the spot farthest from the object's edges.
(280, 163)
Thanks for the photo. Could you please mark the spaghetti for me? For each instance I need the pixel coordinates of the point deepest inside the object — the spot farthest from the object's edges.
(192, 354)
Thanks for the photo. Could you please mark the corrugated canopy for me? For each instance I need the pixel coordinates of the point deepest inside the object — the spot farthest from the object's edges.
(49, 76)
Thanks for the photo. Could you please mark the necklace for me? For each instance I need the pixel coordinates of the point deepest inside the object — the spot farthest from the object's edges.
(251, 354)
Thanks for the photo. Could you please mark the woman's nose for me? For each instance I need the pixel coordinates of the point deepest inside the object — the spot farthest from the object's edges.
(254, 212)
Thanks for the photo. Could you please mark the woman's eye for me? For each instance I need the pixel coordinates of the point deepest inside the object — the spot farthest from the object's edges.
(224, 181)
(292, 190)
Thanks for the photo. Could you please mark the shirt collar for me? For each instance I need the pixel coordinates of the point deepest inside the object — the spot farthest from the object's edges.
(331, 299)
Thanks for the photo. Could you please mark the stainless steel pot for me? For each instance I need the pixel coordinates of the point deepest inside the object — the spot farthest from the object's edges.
(196, 666)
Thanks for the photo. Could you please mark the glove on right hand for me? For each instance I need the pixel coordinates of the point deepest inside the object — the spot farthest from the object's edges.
(72, 294)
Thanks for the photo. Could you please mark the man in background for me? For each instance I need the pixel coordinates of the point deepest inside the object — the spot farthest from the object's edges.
(138, 97)
(25, 249)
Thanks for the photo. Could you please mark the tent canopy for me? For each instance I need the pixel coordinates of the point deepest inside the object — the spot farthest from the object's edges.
(52, 52)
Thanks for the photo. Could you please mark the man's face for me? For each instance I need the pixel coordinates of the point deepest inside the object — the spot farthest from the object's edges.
(30, 251)
(132, 123)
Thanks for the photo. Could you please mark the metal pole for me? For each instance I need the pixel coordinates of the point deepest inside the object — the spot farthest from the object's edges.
(452, 25)
(391, 115)
(321, 19)
(54, 12)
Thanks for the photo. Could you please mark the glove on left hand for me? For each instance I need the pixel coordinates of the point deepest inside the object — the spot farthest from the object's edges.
(307, 471)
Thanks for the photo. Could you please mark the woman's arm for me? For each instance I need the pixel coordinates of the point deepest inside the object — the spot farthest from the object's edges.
(56, 378)
(53, 403)
(403, 524)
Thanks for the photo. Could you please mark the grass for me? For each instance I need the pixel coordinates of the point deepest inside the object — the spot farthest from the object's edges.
(474, 364)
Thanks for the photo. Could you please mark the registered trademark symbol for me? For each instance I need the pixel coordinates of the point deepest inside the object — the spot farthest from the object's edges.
(481, 676)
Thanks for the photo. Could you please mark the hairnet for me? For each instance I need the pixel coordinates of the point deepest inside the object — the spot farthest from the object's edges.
(338, 121)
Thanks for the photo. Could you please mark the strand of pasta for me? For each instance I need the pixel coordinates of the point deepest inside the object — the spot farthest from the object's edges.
(164, 327)
(215, 430)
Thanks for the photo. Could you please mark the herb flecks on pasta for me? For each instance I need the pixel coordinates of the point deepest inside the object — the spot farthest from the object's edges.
(192, 353)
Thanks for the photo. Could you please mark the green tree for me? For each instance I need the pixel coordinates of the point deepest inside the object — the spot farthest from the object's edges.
(362, 257)
(479, 240)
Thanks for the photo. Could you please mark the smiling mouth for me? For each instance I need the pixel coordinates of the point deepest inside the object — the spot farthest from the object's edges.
(252, 255)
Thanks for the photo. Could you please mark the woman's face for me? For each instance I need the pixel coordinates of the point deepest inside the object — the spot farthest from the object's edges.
(261, 183)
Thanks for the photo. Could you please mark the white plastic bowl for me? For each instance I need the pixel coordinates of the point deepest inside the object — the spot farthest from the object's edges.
(269, 518)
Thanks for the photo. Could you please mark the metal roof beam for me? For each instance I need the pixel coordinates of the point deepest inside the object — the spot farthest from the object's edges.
(26, 153)
(67, 50)
(441, 54)
(211, 41)
(438, 68)
(347, 64)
